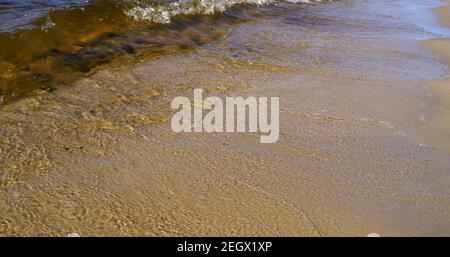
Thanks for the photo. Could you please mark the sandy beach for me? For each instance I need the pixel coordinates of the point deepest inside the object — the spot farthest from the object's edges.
(364, 135)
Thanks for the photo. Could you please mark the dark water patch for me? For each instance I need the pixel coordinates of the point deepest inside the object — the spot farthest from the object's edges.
(72, 41)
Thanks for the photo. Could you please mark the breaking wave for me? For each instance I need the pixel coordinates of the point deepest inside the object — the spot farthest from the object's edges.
(57, 41)
(163, 12)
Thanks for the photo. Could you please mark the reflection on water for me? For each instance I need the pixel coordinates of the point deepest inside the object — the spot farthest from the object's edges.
(19, 14)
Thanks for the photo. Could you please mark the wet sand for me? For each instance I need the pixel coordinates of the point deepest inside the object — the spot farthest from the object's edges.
(442, 13)
(99, 158)
(436, 132)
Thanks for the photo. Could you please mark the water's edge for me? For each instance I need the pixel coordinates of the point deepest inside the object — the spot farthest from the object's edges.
(99, 157)
(436, 131)
(68, 43)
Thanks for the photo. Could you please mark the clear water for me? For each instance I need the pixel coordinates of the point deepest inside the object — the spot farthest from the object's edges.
(19, 14)
(45, 44)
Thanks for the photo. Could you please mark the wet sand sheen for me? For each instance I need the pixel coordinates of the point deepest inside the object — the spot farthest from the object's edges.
(99, 158)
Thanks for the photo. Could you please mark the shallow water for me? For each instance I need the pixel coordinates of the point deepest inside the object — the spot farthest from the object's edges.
(55, 42)
(98, 157)
(19, 14)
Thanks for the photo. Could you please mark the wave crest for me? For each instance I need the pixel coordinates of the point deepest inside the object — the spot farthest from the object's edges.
(163, 12)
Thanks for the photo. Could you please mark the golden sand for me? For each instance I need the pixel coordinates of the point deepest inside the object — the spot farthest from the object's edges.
(99, 157)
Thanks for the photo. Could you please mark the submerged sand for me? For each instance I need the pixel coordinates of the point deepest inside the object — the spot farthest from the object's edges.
(99, 157)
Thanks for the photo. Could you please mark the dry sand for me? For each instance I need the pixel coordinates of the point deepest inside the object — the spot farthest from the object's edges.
(99, 157)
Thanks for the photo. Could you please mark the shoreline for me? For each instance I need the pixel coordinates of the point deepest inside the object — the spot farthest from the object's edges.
(442, 13)
(99, 158)
(436, 131)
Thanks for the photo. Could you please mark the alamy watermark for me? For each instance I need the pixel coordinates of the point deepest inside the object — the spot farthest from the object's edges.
(233, 114)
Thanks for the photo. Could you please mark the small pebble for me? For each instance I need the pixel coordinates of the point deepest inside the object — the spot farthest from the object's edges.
(373, 235)
(73, 235)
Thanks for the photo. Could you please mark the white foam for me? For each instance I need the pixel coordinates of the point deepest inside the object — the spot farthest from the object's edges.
(163, 12)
